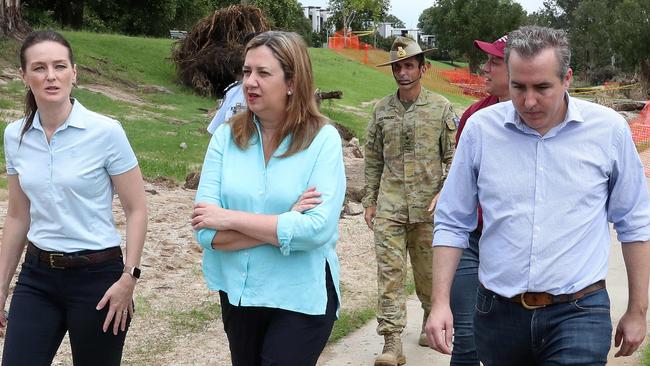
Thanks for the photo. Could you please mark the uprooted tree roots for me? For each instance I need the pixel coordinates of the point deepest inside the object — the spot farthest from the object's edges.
(212, 54)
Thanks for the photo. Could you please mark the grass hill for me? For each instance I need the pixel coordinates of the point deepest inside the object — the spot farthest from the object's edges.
(132, 80)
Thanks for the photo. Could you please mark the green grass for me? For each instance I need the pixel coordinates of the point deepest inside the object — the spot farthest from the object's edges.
(130, 59)
(348, 322)
(359, 83)
(194, 320)
(645, 356)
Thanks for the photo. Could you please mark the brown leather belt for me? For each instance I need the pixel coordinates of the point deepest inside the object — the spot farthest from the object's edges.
(73, 260)
(535, 300)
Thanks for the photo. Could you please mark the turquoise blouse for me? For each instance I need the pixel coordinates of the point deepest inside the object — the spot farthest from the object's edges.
(291, 276)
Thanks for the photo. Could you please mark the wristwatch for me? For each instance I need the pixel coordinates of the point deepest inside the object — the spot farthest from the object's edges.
(133, 271)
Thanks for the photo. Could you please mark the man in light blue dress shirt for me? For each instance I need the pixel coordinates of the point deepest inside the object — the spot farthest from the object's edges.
(550, 172)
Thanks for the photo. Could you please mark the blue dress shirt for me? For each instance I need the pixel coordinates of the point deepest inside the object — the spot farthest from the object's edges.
(233, 103)
(291, 276)
(68, 180)
(546, 200)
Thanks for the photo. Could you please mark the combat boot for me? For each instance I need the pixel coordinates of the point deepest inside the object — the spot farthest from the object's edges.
(392, 354)
(423, 335)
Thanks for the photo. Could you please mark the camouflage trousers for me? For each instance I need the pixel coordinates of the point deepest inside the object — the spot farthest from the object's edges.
(392, 241)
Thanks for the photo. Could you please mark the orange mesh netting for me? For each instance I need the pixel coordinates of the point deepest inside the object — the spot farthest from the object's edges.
(640, 127)
(339, 41)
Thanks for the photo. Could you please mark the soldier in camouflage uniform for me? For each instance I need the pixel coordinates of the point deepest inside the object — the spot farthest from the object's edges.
(410, 136)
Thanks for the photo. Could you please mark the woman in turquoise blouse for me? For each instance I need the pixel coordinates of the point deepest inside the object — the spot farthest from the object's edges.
(276, 268)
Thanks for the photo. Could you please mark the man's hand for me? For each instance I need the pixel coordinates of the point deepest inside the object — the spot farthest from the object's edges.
(432, 205)
(440, 328)
(630, 333)
(369, 214)
(631, 328)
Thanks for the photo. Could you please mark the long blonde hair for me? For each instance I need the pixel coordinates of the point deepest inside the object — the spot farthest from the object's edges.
(303, 119)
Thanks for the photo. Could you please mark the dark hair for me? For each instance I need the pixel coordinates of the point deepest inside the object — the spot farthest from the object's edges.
(530, 41)
(32, 39)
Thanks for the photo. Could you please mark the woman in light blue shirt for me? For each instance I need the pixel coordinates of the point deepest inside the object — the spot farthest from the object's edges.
(276, 269)
(64, 163)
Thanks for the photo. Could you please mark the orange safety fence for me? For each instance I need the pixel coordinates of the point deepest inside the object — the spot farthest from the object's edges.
(640, 127)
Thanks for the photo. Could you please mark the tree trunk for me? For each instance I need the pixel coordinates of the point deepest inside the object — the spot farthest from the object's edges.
(645, 77)
(69, 13)
(11, 19)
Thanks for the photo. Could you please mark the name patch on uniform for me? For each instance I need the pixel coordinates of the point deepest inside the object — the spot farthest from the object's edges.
(385, 117)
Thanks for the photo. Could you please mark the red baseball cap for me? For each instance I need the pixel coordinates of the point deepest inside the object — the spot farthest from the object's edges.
(495, 48)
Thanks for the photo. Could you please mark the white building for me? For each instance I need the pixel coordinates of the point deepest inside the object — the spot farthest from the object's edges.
(317, 16)
(385, 29)
(428, 40)
(413, 33)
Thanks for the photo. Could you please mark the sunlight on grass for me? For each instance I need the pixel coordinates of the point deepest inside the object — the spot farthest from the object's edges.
(349, 321)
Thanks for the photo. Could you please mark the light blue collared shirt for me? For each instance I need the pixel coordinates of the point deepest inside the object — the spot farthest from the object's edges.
(546, 200)
(233, 103)
(290, 277)
(68, 180)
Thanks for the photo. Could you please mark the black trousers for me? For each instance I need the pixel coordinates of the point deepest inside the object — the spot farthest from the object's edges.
(48, 302)
(260, 336)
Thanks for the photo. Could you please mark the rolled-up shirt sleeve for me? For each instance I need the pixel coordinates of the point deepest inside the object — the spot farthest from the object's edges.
(629, 202)
(456, 211)
(209, 189)
(318, 226)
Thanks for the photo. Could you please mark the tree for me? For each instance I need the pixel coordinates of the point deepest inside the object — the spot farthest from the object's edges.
(11, 19)
(600, 30)
(631, 38)
(591, 45)
(395, 21)
(457, 23)
(283, 14)
(346, 12)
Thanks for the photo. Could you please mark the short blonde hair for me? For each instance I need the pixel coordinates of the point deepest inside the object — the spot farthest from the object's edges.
(303, 120)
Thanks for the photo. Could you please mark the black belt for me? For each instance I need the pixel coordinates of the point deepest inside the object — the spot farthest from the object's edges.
(74, 260)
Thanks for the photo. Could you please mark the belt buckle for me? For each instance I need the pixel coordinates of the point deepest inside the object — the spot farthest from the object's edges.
(522, 297)
(52, 257)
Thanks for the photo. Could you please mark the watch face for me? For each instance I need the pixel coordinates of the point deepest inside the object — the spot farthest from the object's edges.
(136, 272)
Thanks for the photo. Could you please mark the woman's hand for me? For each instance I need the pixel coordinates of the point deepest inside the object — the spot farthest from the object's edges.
(307, 200)
(209, 216)
(119, 298)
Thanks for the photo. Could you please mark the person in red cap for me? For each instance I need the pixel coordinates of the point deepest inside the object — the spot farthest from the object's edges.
(463, 291)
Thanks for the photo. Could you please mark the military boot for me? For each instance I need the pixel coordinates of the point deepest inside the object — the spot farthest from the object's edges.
(422, 341)
(392, 354)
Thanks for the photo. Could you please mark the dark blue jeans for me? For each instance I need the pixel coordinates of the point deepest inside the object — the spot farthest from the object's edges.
(463, 302)
(573, 333)
(48, 302)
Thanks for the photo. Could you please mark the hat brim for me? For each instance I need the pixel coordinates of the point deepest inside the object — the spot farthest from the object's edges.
(488, 48)
(405, 57)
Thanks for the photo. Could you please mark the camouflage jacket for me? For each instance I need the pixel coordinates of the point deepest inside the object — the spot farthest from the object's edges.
(405, 151)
